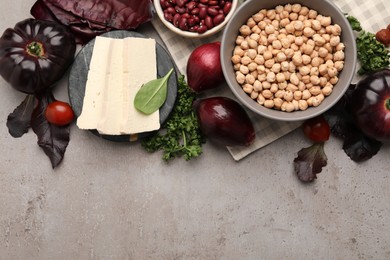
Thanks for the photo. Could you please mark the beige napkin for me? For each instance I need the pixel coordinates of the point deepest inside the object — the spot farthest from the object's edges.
(374, 14)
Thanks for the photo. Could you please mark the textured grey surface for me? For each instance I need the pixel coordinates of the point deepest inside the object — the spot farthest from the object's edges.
(114, 201)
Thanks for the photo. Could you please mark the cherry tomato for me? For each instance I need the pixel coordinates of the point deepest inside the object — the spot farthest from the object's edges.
(316, 129)
(59, 113)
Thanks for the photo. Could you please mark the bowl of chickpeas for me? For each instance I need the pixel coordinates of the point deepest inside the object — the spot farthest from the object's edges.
(286, 60)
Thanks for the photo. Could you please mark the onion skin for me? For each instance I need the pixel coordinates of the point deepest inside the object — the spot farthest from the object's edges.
(204, 70)
(370, 105)
(224, 121)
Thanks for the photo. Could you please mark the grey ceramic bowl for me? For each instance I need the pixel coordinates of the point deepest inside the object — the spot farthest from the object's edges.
(323, 7)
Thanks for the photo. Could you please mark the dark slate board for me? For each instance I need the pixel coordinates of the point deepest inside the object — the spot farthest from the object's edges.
(79, 72)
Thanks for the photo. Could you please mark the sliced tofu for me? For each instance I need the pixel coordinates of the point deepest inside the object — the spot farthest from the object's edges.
(96, 83)
(141, 67)
(118, 69)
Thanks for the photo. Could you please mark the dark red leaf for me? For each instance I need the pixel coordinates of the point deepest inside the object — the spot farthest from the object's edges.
(18, 122)
(360, 147)
(52, 139)
(309, 162)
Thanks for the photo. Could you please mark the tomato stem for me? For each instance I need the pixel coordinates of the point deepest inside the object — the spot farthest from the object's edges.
(35, 49)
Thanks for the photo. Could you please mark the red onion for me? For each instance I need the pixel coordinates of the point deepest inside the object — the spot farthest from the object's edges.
(204, 69)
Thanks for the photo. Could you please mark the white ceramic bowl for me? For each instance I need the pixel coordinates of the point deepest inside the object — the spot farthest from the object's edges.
(170, 26)
(323, 7)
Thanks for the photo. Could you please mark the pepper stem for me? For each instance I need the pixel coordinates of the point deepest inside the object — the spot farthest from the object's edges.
(387, 104)
(35, 49)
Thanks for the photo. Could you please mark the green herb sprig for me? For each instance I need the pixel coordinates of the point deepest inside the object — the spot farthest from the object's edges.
(180, 135)
(372, 54)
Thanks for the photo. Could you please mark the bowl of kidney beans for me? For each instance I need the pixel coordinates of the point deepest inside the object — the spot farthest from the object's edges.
(195, 18)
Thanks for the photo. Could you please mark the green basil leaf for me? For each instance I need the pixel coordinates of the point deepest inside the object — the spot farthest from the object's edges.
(152, 95)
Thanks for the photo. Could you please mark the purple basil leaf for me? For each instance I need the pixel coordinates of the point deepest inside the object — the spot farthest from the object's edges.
(52, 139)
(309, 162)
(359, 147)
(18, 122)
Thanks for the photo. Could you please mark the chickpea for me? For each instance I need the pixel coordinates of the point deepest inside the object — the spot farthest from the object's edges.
(312, 14)
(269, 63)
(294, 79)
(252, 43)
(244, 69)
(283, 85)
(259, 59)
(323, 81)
(316, 25)
(276, 44)
(284, 22)
(284, 66)
(306, 59)
(293, 16)
(245, 30)
(302, 104)
(304, 70)
(322, 52)
(251, 22)
(290, 28)
(276, 68)
(248, 88)
(332, 71)
(261, 49)
(238, 51)
(237, 66)
(260, 99)
(288, 96)
(289, 53)
(339, 65)
(245, 60)
(340, 47)
(319, 40)
(274, 88)
(266, 85)
(298, 40)
(298, 25)
(271, 14)
(304, 11)
(271, 77)
(269, 29)
(307, 49)
(338, 56)
(267, 94)
(298, 95)
(326, 21)
(252, 66)
(244, 45)
(236, 59)
(291, 87)
(327, 90)
(258, 17)
(269, 103)
(308, 32)
(334, 41)
(254, 95)
(316, 62)
(305, 79)
(279, 9)
(256, 29)
(280, 57)
(262, 25)
(257, 86)
(278, 103)
(297, 59)
(251, 53)
(240, 78)
(334, 80)
(267, 55)
(306, 94)
(315, 90)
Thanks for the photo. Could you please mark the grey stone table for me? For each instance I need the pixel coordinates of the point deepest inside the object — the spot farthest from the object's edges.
(114, 201)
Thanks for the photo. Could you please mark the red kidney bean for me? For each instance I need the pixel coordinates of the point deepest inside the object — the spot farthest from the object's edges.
(183, 25)
(195, 11)
(191, 22)
(202, 5)
(172, 1)
(222, 3)
(171, 10)
(181, 3)
(185, 15)
(168, 17)
(202, 28)
(227, 7)
(218, 19)
(208, 21)
(191, 5)
(180, 10)
(204, 1)
(213, 2)
(176, 19)
(193, 28)
(213, 10)
(202, 12)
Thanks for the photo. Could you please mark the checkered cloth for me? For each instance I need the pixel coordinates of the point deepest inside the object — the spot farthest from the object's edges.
(373, 15)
